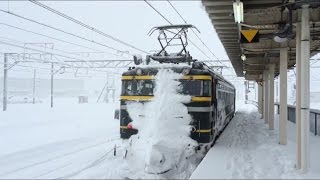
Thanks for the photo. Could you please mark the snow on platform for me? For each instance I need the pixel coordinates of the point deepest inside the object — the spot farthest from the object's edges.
(248, 149)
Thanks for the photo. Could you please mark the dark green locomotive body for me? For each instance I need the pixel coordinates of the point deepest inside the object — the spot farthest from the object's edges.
(212, 99)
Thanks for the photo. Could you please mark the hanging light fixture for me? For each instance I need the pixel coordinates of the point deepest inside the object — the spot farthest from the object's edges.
(238, 11)
(243, 57)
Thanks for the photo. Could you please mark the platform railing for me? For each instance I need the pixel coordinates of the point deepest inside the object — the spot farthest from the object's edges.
(314, 117)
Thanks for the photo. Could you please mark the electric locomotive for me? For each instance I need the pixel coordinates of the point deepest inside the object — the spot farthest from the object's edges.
(212, 103)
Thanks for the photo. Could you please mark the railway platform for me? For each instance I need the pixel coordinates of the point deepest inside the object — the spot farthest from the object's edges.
(248, 149)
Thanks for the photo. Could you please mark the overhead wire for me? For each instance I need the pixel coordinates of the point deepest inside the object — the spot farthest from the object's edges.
(24, 54)
(48, 61)
(38, 50)
(57, 39)
(63, 31)
(42, 51)
(55, 49)
(46, 52)
(172, 24)
(158, 12)
(31, 44)
(36, 60)
(48, 70)
(194, 32)
(86, 26)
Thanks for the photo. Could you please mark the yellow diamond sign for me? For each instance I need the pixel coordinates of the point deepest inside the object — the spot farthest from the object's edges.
(248, 36)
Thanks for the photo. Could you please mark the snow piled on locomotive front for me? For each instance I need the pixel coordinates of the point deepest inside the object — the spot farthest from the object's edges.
(162, 145)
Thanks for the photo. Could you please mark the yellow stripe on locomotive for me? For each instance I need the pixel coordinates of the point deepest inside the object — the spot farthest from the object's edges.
(149, 98)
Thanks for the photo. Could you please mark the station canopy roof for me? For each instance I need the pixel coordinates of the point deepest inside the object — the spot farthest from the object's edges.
(265, 19)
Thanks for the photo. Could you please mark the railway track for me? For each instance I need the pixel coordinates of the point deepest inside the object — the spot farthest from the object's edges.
(57, 157)
(91, 165)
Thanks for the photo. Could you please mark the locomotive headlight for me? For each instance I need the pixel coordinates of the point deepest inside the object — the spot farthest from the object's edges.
(186, 71)
(139, 72)
(129, 126)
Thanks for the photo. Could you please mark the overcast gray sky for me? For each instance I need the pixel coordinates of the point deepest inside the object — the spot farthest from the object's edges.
(129, 21)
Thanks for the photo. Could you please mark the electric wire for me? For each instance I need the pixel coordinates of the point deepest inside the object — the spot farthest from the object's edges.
(13, 40)
(48, 69)
(87, 62)
(86, 26)
(63, 64)
(158, 12)
(57, 39)
(194, 32)
(38, 50)
(62, 31)
(172, 24)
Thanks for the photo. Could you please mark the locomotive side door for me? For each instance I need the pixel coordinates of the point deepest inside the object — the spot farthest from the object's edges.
(214, 107)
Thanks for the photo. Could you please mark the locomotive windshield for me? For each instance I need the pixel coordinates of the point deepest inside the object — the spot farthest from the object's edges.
(138, 87)
(145, 87)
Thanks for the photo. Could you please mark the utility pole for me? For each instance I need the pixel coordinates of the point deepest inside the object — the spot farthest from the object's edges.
(34, 86)
(51, 84)
(5, 77)
(246, 90)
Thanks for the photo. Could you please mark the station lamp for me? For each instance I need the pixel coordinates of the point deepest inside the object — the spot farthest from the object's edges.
(279, 39)
(243, 57)
(238, 11)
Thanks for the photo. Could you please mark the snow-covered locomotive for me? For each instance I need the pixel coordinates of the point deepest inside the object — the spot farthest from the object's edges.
(212, 103)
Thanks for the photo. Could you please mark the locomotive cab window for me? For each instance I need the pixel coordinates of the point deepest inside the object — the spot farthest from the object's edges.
(145, 87)
(195, 87)
(138, 88)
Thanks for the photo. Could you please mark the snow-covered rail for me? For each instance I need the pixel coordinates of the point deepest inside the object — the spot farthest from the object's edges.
(50, 162)
(91, 165)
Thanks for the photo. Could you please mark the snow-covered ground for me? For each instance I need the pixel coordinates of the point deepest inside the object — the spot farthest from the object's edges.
(82, 140)
(248, 149)
(66, 141)
(78, 141)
